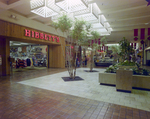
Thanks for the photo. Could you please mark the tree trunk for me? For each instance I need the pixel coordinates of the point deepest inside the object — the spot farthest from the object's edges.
(80, 55)
(91, 66)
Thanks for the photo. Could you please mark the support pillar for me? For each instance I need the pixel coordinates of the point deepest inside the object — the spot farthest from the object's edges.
(56, 56)
(4, 54)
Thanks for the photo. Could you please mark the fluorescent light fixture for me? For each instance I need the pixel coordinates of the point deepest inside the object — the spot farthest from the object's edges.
(112, 44)
(89, 14)
(147, 48)
(97, 24)
(89, 48)
(101, 30)
(109, 30)
(94, 21)
(106, 25)
(55, 18)
(24, 43)
(146, 23)
(72, 5)
(44, 8)
(16, 44)
(102, 19)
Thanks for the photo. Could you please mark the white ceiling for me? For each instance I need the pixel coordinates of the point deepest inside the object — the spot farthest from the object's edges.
(122, 15)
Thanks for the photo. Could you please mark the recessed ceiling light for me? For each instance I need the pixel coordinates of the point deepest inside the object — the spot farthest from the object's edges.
(146, 23)
(24, 43)
(16, 44)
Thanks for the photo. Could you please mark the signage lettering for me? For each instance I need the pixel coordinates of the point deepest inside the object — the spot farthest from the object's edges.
(42, 36)
(46, 37)
(49, 37)
(32, 34)
(36, 35)
(57, 39)
(27, 32)
(53, 38)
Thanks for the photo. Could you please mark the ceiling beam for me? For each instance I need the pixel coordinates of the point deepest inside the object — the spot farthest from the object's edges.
(129, 27)
(122, 10)
(48, 23)
(15, 4)
(32, 16)
(3, 5)
(127, 18)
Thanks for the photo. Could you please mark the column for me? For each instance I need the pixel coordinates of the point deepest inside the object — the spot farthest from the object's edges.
(56, 56)
(4, 54)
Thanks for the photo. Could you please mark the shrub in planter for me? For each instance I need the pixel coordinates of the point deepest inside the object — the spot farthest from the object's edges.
(127, 63)
(140, 71)
(136, 71)
(145, 72)
(111, 69)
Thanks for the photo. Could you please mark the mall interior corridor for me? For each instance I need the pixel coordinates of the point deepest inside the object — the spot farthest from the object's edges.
(42, 94)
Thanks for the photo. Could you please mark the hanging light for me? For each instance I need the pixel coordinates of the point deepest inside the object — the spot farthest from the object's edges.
(89, 14)
(72, 5)
(44, 8)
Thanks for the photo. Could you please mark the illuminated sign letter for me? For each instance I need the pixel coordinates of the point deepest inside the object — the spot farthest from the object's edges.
(57, 39)
(41, 36)
(32, 34)
(46, 37)
(49, 37)
(36, 35)
(53, 38)
(27, 33)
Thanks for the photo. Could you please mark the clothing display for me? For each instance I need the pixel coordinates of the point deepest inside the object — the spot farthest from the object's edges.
(31, 62)
(28, 62)
(28, 56)
(19, 63)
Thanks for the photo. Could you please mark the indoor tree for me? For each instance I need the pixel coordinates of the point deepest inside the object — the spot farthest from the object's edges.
(115, 51)
(94, 46)
(64, 23)
(78, 33)
(74, 31)
(87, 42)
(125, 50)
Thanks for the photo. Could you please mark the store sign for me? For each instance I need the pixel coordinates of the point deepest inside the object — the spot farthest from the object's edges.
(42, 36)
(0, 60)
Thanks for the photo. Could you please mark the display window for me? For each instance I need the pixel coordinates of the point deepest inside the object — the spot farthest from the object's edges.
(27, 56)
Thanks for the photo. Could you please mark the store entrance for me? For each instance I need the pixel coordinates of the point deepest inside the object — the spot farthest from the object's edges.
(27, 56)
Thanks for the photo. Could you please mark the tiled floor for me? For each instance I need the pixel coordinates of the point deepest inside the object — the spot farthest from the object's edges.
(43, 94)
(90, 88)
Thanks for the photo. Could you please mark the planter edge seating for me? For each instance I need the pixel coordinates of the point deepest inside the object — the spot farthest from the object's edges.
(138, 81)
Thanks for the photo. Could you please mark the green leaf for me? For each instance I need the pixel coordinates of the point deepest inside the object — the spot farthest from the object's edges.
(64, 23)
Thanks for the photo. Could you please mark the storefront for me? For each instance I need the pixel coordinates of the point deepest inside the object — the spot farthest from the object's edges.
(52, 44)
